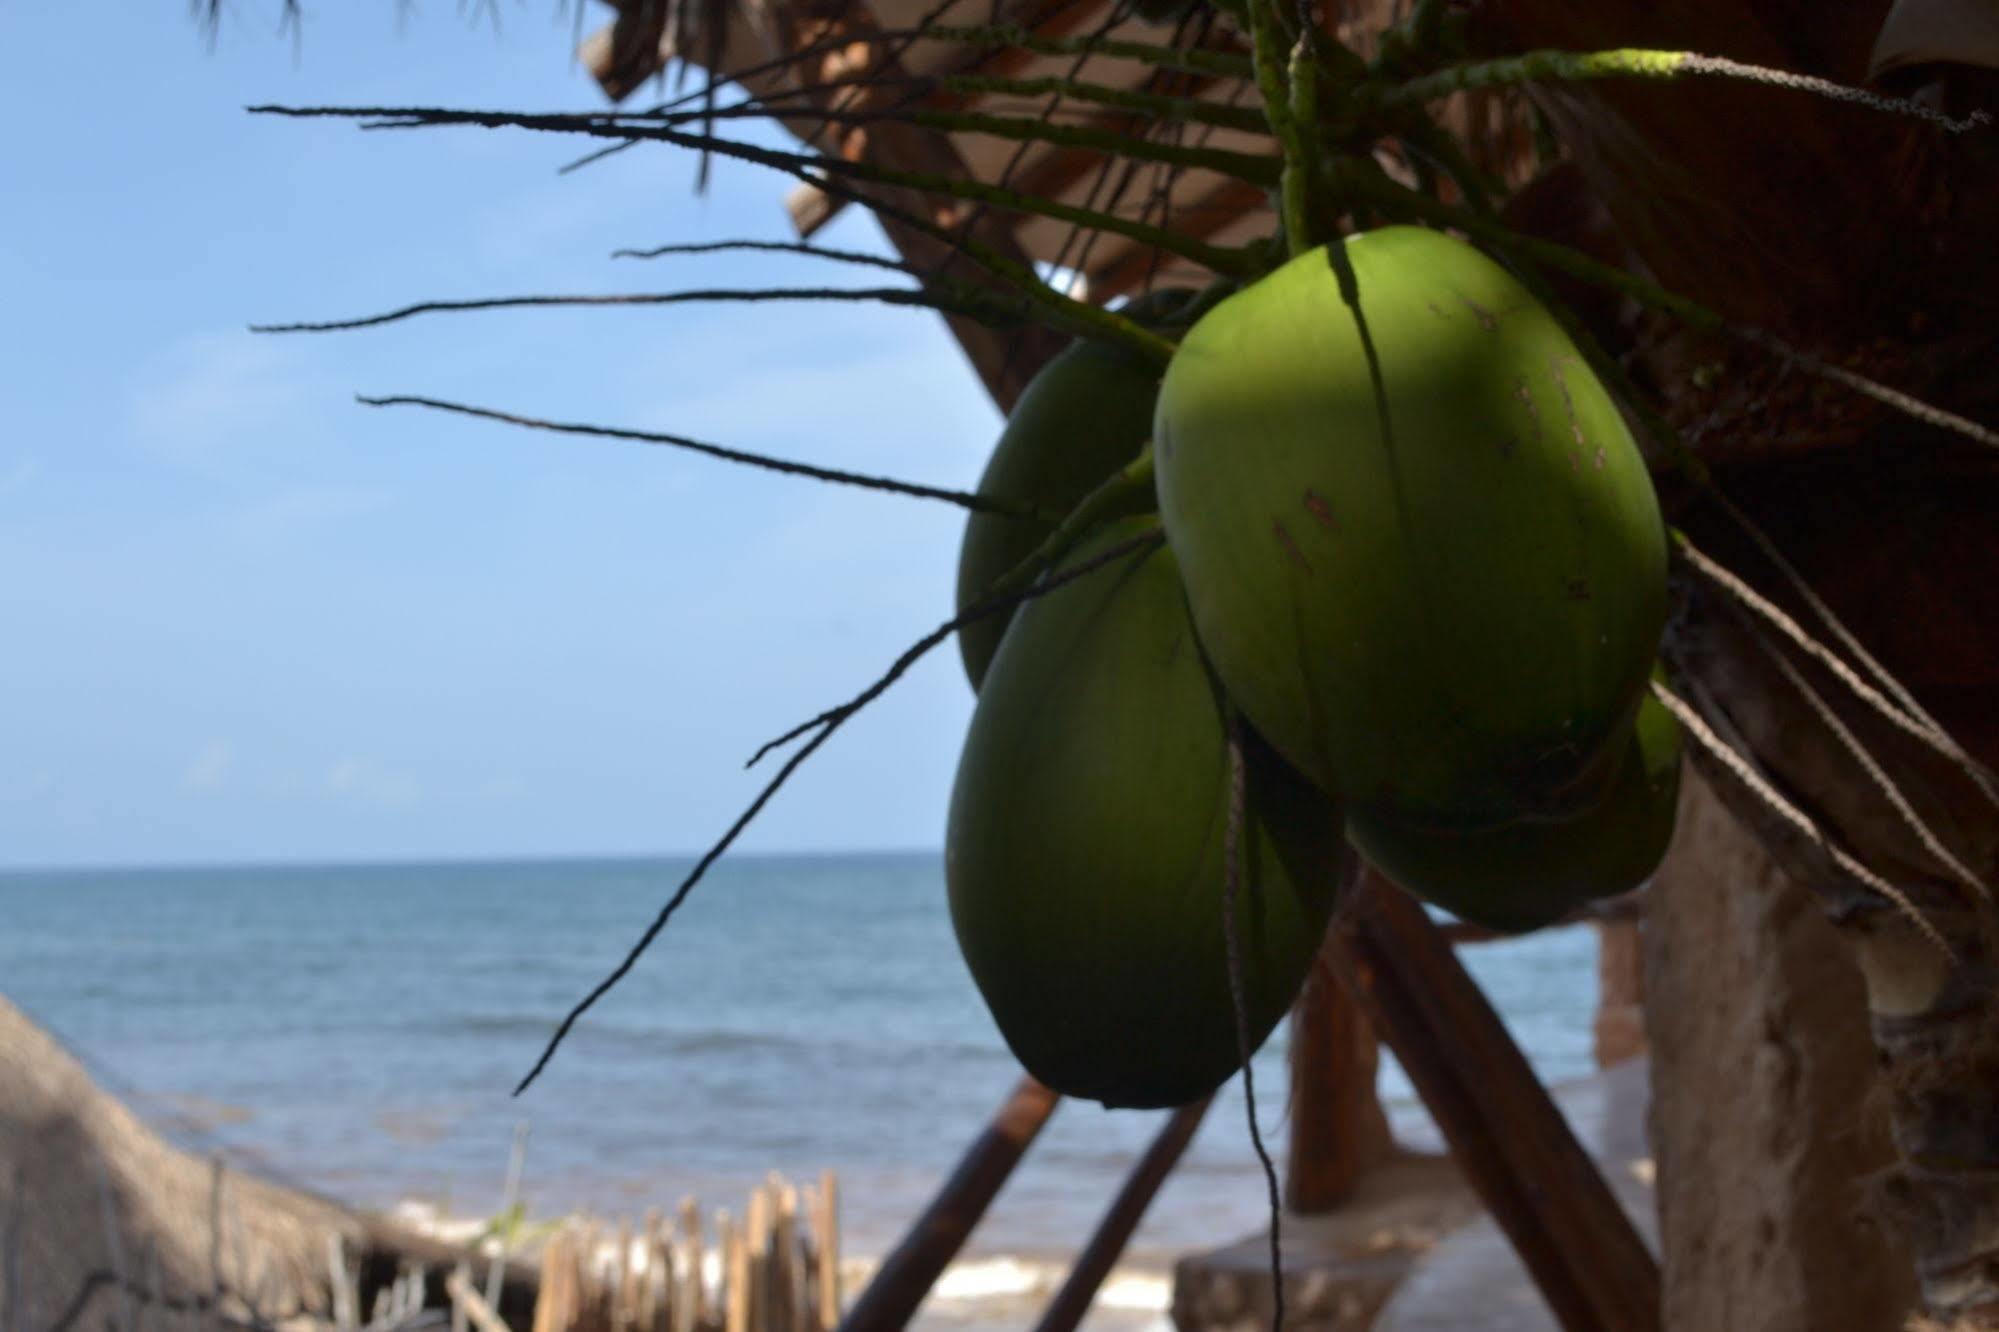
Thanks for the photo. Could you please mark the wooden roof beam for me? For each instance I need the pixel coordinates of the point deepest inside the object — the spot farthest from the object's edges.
(812, 208)
(1219, 209)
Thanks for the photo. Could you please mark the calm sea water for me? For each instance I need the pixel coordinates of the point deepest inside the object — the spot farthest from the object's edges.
(358, 1031)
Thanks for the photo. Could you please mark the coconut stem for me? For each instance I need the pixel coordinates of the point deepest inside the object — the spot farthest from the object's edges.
(944, 300)
(1192, 60)
(1232, 939)
(1111, 498)
(1273, 71)
(831, 172)
(1642, 63)
(1162, 106)
(787, 466)
(823, 728)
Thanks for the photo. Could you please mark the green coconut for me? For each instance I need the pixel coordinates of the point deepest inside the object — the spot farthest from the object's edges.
(1085, 848)
(1524, 875)
(1085, 415)
(1432, 572)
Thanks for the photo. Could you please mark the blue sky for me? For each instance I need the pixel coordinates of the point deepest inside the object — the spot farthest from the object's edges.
(243, 618)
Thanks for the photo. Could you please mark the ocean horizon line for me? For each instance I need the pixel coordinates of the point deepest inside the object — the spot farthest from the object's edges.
(468, 861)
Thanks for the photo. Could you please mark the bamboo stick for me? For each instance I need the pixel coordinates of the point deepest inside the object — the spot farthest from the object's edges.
(564, 1309)
(474, 1306)
(827, 1226)
(757, 1242)
(678, 1299)
(694, 1288)
(544, 1289)
(346, 1314)
(736, 1298)
(646, 1315)
(804, 1309)
(463, 1272)
(594, 1310)
(661, 1286)
(1511, 1141)
(907, 1274)
(624, 1295)
(1127, 1209)
(791, 1260)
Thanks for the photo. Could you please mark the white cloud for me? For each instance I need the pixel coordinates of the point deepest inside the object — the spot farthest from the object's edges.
(366, 781)
(208, 391)
(210, 766)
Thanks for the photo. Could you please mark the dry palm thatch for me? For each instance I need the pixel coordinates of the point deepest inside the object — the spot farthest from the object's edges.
(103, 1223)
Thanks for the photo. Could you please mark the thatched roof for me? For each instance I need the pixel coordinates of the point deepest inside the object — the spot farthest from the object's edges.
(796, 53)
(90, 1195)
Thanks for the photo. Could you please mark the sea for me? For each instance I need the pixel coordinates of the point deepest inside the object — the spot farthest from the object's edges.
(359, 1030)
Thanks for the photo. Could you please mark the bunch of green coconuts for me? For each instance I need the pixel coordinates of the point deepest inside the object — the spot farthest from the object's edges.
(1414, 550)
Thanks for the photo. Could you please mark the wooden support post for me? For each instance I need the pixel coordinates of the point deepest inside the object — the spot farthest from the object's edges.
(1509, 1138)
(827, 1224)
(736, 1274)
(1620, 998)
(1338, 1129)
(795, 1290)
(624, 1282)
(908, 1273)
(1107, 1242)
(694, 1294)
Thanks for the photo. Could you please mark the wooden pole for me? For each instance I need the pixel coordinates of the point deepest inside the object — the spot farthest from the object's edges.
(736, 1260)
(589, 1288)
(648, 1311)
(795, 1292)
(544, 1289)
(692, 1306)
(473, 1304)
(1107, 1243)
(1619, 1030)
(827, 1224)
(1338, 1129)
(756, 1246)
(1507, 1136)
(624, 1287)
(907, 1274)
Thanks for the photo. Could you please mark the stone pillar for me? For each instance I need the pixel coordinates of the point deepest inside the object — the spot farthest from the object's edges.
(1765, 1121)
